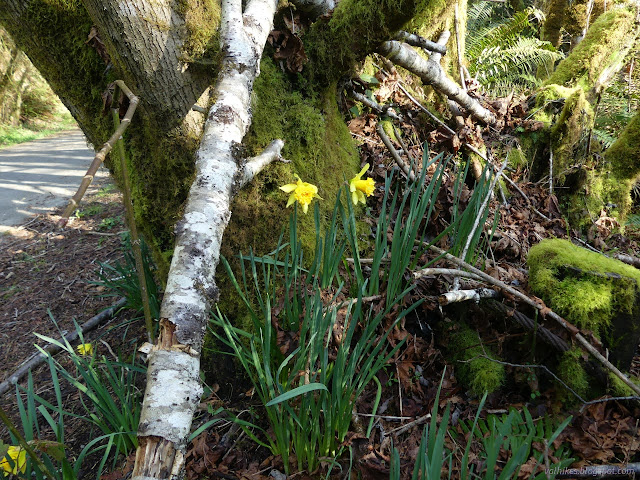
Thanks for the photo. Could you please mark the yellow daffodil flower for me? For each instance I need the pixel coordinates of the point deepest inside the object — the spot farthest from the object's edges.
(19, 457)
(301, 192)
(359, 188)
(85, 349)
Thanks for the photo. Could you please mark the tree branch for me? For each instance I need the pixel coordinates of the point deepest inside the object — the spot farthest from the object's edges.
(430, 73)
(418, 41)
(100, 156)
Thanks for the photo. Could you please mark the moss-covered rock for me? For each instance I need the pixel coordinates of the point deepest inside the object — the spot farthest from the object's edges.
(477, 373)
(590, 290)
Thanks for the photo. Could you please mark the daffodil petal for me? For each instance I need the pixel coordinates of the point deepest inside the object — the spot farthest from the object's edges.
(363, 171)
(361, 196)
(305, 208)
(291, 201)
(289, 187)
(354, 197)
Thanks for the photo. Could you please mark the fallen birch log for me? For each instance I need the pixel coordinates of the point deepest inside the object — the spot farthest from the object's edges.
(431, 73)
(173, 379)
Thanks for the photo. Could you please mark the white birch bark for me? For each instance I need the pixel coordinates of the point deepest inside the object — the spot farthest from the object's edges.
(430, 73)
(173, 386)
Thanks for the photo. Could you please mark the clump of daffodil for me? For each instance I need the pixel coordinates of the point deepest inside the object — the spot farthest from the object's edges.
(85, 349)
(19, 458)
(359, 188)
(301, 192)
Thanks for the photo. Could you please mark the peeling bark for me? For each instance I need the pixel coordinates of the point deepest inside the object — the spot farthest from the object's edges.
(173, 385)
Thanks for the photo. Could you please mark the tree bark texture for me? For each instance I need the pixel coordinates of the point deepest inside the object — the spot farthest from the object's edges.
(147, 40)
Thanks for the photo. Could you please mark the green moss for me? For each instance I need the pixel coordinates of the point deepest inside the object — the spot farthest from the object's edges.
(621, 156)
(567, 132)
(551, 31)
(571, 372)
(599, 49)
(202, 20)
(516, 158)
(360, 25)
(588, 299)
(618, 388)
(319, 146)
(477, 373)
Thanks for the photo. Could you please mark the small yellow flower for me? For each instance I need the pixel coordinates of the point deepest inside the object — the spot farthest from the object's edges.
(301, 192)
(19, 457)
(85, 349)
(359, 188)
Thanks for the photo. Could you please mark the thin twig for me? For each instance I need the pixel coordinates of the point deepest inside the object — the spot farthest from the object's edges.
(401, 163)
(609, 399)
(373, 105)
(404, 428)
(131, 220)
(443, 271)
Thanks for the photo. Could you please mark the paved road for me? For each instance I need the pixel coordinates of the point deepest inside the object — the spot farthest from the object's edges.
(37, 176)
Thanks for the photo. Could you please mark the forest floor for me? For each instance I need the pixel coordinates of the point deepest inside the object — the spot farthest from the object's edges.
(47, 273)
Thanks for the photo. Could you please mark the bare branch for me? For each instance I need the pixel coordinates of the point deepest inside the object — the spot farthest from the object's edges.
(254, 165)
(51, 348)
(100, 156)
(418, 41)
(401, 163)
(430, 73)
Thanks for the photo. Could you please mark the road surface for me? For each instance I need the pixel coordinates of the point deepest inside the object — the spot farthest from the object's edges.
(37, 176)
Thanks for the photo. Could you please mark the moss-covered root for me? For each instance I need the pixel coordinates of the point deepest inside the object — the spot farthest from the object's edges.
(604, 46)
(574, 282)
(477, 373)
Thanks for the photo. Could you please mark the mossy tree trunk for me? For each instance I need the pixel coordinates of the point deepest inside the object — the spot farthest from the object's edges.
(566, 104)
(167, 52)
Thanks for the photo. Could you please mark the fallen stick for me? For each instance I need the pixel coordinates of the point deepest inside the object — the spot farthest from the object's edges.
(401, 163)
(546, 312)
(40, 357)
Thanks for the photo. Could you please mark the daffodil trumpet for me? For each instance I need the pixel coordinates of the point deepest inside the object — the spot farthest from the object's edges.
(301, 192)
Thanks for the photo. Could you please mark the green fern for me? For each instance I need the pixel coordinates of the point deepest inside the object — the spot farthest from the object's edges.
(504, 55)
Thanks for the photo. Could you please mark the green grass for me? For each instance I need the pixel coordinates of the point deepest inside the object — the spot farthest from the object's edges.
(10, 135)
